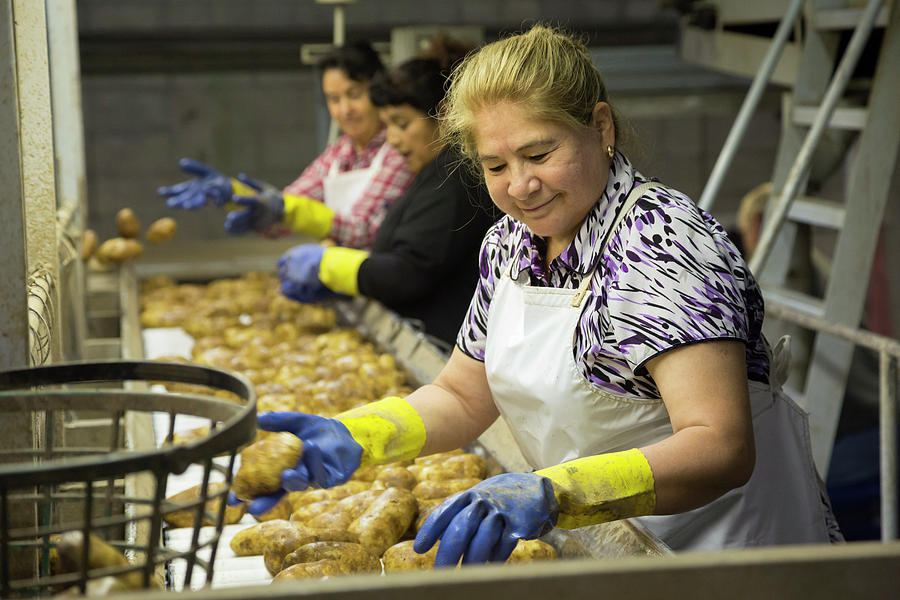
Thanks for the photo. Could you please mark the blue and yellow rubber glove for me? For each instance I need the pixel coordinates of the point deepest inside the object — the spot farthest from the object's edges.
(313, 273)
(333, 448)
(208, 185)
(484, 523)
(267, 206)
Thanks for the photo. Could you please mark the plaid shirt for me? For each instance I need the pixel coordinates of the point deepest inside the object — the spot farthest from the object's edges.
(357, 229)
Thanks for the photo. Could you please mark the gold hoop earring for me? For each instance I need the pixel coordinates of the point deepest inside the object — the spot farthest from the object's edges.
(610, 151)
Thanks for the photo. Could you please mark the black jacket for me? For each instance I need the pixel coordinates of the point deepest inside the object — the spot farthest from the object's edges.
(424, 262)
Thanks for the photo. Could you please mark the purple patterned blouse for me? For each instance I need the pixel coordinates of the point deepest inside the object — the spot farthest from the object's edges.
(668, 277)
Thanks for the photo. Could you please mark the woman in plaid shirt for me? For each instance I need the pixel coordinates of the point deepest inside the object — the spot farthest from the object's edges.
(343, 194)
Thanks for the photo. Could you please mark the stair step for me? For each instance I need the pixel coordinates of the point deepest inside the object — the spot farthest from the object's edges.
(818, 212)
(852, 118)
(845, 18)
(799, 301)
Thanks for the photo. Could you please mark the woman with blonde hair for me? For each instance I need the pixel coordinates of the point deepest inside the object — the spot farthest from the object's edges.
(615, 328)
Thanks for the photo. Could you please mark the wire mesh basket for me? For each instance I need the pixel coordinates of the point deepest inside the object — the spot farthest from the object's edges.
(93, 482)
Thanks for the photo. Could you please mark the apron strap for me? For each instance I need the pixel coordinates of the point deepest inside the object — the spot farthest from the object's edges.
(633, 196)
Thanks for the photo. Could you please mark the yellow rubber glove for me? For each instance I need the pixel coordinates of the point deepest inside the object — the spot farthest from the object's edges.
(602, 488)
(388, 430)
(339, 269)
(306, 215)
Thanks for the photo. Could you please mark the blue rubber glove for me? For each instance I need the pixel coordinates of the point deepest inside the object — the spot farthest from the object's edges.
(485, 522)
(260, 212)
(330, 455)
(298, 270)
(208, 185)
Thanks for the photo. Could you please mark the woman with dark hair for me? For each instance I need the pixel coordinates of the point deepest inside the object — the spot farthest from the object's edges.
(343, 194)
(424, 262)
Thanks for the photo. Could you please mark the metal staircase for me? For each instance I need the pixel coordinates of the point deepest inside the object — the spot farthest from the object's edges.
(818, 105)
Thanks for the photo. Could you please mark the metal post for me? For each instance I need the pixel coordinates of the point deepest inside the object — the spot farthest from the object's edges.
(800, 168)
(741, 122)
(887, 408)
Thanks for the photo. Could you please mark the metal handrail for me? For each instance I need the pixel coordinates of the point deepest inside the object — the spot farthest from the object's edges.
(751, 101)
(800, 168)
(889, 353)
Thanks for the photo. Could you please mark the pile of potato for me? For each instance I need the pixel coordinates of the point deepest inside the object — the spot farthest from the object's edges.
(293, 353)
(300, 361)
(348, 528)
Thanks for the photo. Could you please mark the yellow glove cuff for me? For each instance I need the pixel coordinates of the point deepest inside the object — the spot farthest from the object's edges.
(239, 188)
(339, 269)
(602, 488)
(306, 215)
(388, 430)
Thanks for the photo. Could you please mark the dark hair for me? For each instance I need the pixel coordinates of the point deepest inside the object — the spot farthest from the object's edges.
(358, 60)
(419, 82)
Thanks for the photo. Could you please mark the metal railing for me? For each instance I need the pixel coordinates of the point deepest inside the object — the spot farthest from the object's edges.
(888, 350)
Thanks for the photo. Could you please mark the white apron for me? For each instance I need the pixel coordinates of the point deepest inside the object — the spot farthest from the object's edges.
(343, 190)
(556, 415)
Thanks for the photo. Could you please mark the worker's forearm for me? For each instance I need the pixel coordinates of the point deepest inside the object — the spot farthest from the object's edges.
(697, 465)
(439, 406)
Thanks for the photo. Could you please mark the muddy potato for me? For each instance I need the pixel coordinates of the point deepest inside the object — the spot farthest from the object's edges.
(185, 518)
(263, 462)
(353, 557)
(531, 550)
(425, 511)
(161, 230)
(127, 223)
(285, 541)
(385, 520)
(395, 476)
(253, 540)
(321, 568)
(437, 457)
(309, 511)
(344, 512)
(454, 467)
(427, 490)
(402, 557)
(100, 555)
(89, 242)
(337, 492)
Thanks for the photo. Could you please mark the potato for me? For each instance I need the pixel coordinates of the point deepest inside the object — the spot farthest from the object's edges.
(427, 490)
(531, 550)
(117, 250)
(402, 557)
(185, 518)
(127, 223)
(395, 477)
(337, 492)
(321, 568)
(455, 467)
(100, 555)
(253, 540)
(263, 462)
(344, 511)
(89, 242)
(438, 457)
(425, 511)
(161, 230)
(309, 511)
(354, 558)
(385, 520)
(285, 541)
